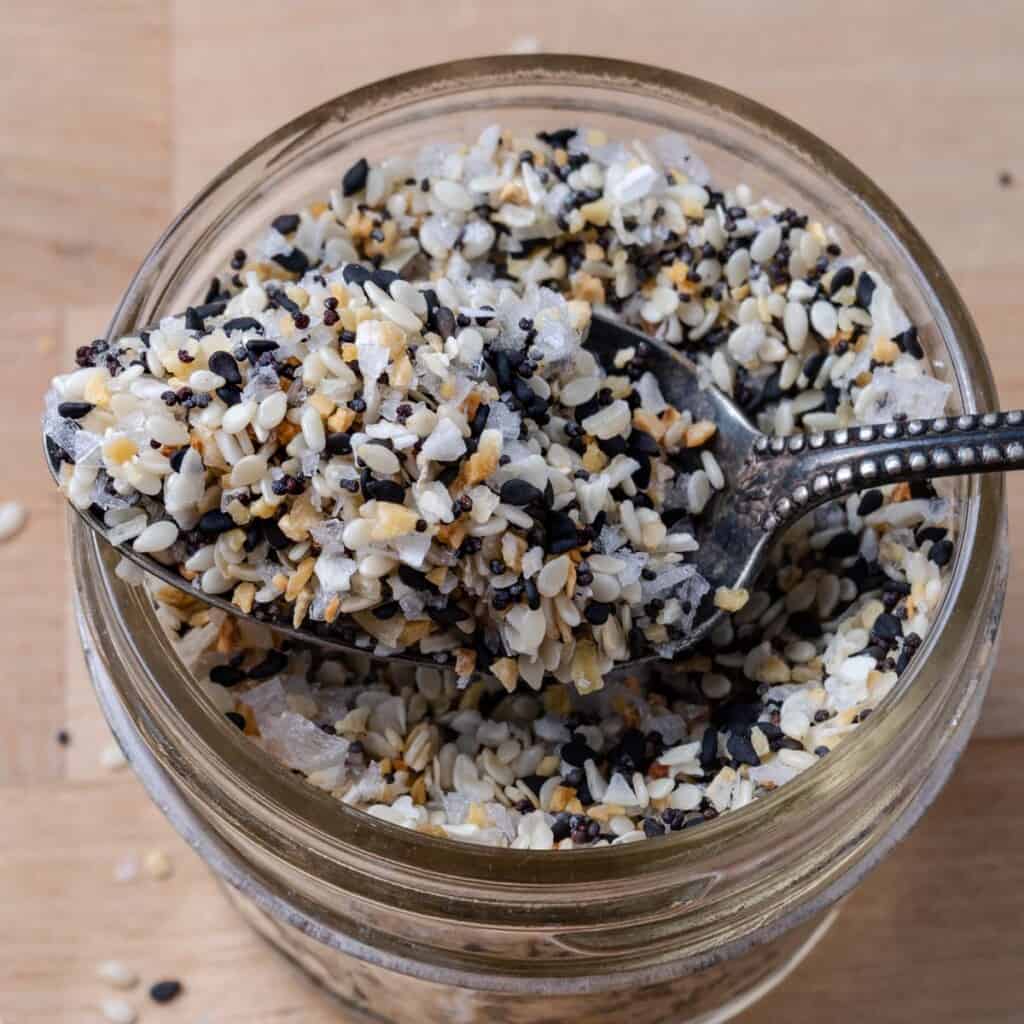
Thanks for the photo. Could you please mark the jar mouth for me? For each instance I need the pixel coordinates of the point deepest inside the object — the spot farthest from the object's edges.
(235, 773)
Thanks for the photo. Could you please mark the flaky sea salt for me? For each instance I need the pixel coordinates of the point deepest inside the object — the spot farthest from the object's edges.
(915, 396)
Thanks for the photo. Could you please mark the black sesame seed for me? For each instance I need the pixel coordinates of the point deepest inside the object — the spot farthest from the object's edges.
(355, 273)
(932, 533)
(741, 749)
(354, 179)
(385, 490)
(286, 223)
(384, 279)
(842, 545)
(941, 552)
(215, 522)
(641, 443)
(557, 139)
(865, 290)
(597, 613)
(562, 535)
(709, 749)
(842, 278)
(224, 364)
(519, 493)
(339, 443)
(444, 321)
(886, 627)
(272, 664)
(257, 347)
(74, 410)
(228, 394)
(653, 827)
(415, 579)
(812, 367)
(236, 719)
(870, 502)
(165, 991)
(448, 614)
(226, 675)
(899, 587)
(296, 261)
(244, 323)
(908, 343)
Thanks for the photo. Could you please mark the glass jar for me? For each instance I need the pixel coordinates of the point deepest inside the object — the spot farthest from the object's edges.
(692, 927)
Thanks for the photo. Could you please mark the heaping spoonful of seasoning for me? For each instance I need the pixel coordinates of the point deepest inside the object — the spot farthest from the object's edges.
(492, 519)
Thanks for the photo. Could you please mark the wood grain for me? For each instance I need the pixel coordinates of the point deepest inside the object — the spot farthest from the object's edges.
(84, 145)
(59, 848)
(113, 113)
(32, 565)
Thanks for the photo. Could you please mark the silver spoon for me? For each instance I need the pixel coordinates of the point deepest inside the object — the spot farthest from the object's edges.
(770, 482)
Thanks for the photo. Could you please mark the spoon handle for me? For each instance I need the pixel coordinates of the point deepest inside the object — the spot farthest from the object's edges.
(801, 471)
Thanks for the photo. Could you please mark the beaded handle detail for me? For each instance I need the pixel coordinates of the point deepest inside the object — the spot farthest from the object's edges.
(838, 462)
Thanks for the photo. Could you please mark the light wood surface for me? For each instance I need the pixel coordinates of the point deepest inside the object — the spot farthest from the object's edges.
(113, 114)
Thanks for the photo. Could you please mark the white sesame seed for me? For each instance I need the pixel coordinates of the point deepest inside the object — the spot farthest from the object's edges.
(553, 576)
(13, 517)
(579, 390)
(117, 1011)
(412, 298)
(239, 416)
(157, 865)
(248, 471)
(611, 421)
(313, 429)
(116, 974)
(378, 458)
(767, 242)
(698, 491)
(156, 537)
(272, 410)
(714, 472)
(112, 758)
(205, 380)
(823, 318)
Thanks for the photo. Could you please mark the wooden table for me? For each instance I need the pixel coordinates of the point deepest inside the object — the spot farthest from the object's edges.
(112, 114)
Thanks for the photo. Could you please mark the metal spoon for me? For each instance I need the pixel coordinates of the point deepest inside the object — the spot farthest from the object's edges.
(770, 482)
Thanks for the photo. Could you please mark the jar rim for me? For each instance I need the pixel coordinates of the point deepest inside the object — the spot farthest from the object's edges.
(337, 832)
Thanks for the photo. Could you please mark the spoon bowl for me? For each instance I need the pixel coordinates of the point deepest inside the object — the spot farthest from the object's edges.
(769, 484)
